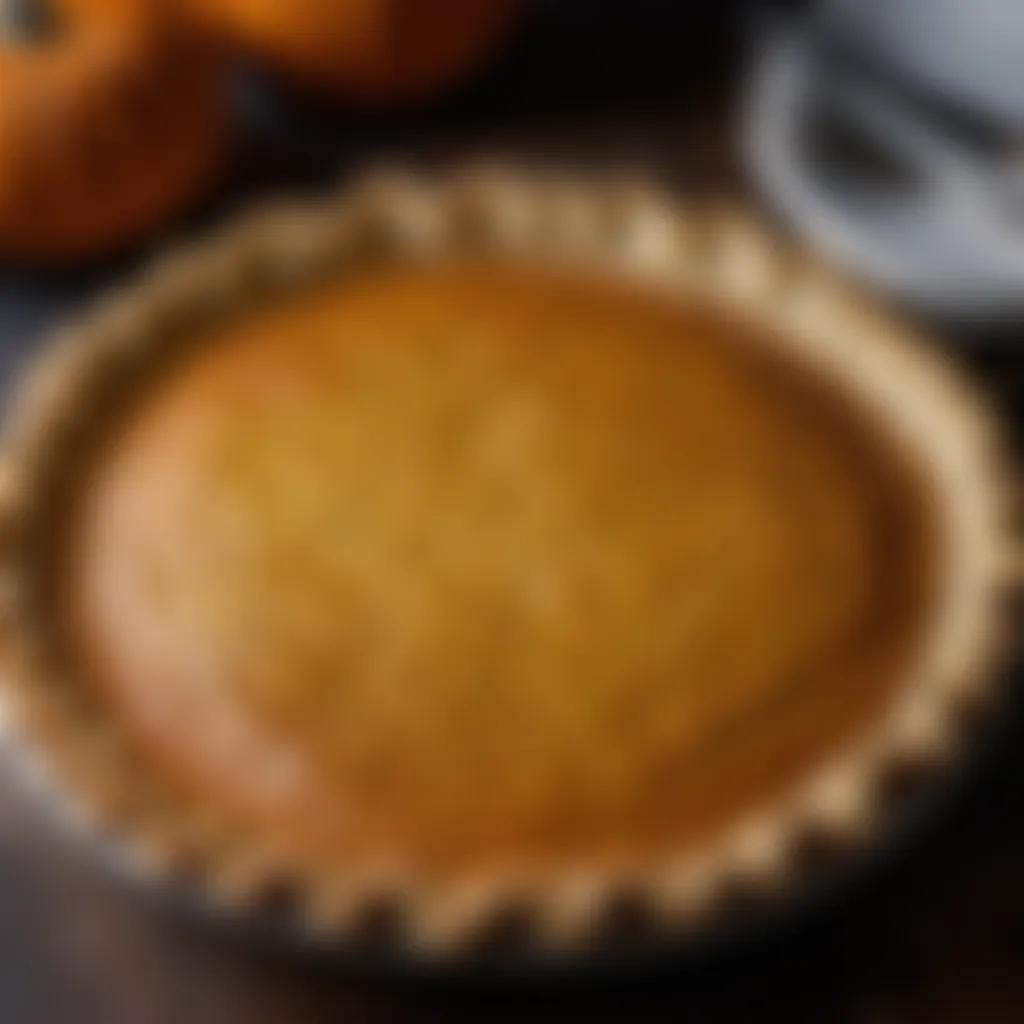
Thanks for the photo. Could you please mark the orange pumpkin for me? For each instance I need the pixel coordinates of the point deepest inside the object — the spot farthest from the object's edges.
(376, 51)
(110, 120)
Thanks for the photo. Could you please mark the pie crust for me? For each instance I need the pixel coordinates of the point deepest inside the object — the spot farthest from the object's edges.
(612, 227)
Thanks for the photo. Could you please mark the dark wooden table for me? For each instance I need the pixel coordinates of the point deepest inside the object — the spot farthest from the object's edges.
(934, 932)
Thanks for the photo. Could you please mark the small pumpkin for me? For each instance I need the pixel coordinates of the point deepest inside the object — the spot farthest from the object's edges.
(110, 121)
(375, 51)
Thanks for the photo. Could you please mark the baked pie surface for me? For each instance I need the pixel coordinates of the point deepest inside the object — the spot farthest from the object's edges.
(496, 573)
(479, 564)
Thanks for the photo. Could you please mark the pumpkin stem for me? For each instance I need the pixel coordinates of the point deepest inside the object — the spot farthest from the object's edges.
(26, 20)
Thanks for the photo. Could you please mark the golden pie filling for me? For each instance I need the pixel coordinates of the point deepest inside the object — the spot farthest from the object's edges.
(476, 567)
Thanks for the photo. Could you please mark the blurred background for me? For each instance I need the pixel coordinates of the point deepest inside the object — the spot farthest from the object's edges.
(886, 135)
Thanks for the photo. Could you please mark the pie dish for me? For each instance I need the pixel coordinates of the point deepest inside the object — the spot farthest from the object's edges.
(497, 548)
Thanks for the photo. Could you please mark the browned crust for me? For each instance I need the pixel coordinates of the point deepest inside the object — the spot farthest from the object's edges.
(629, 229)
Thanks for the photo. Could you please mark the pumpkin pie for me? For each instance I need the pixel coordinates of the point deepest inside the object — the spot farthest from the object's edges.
(491, 546)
